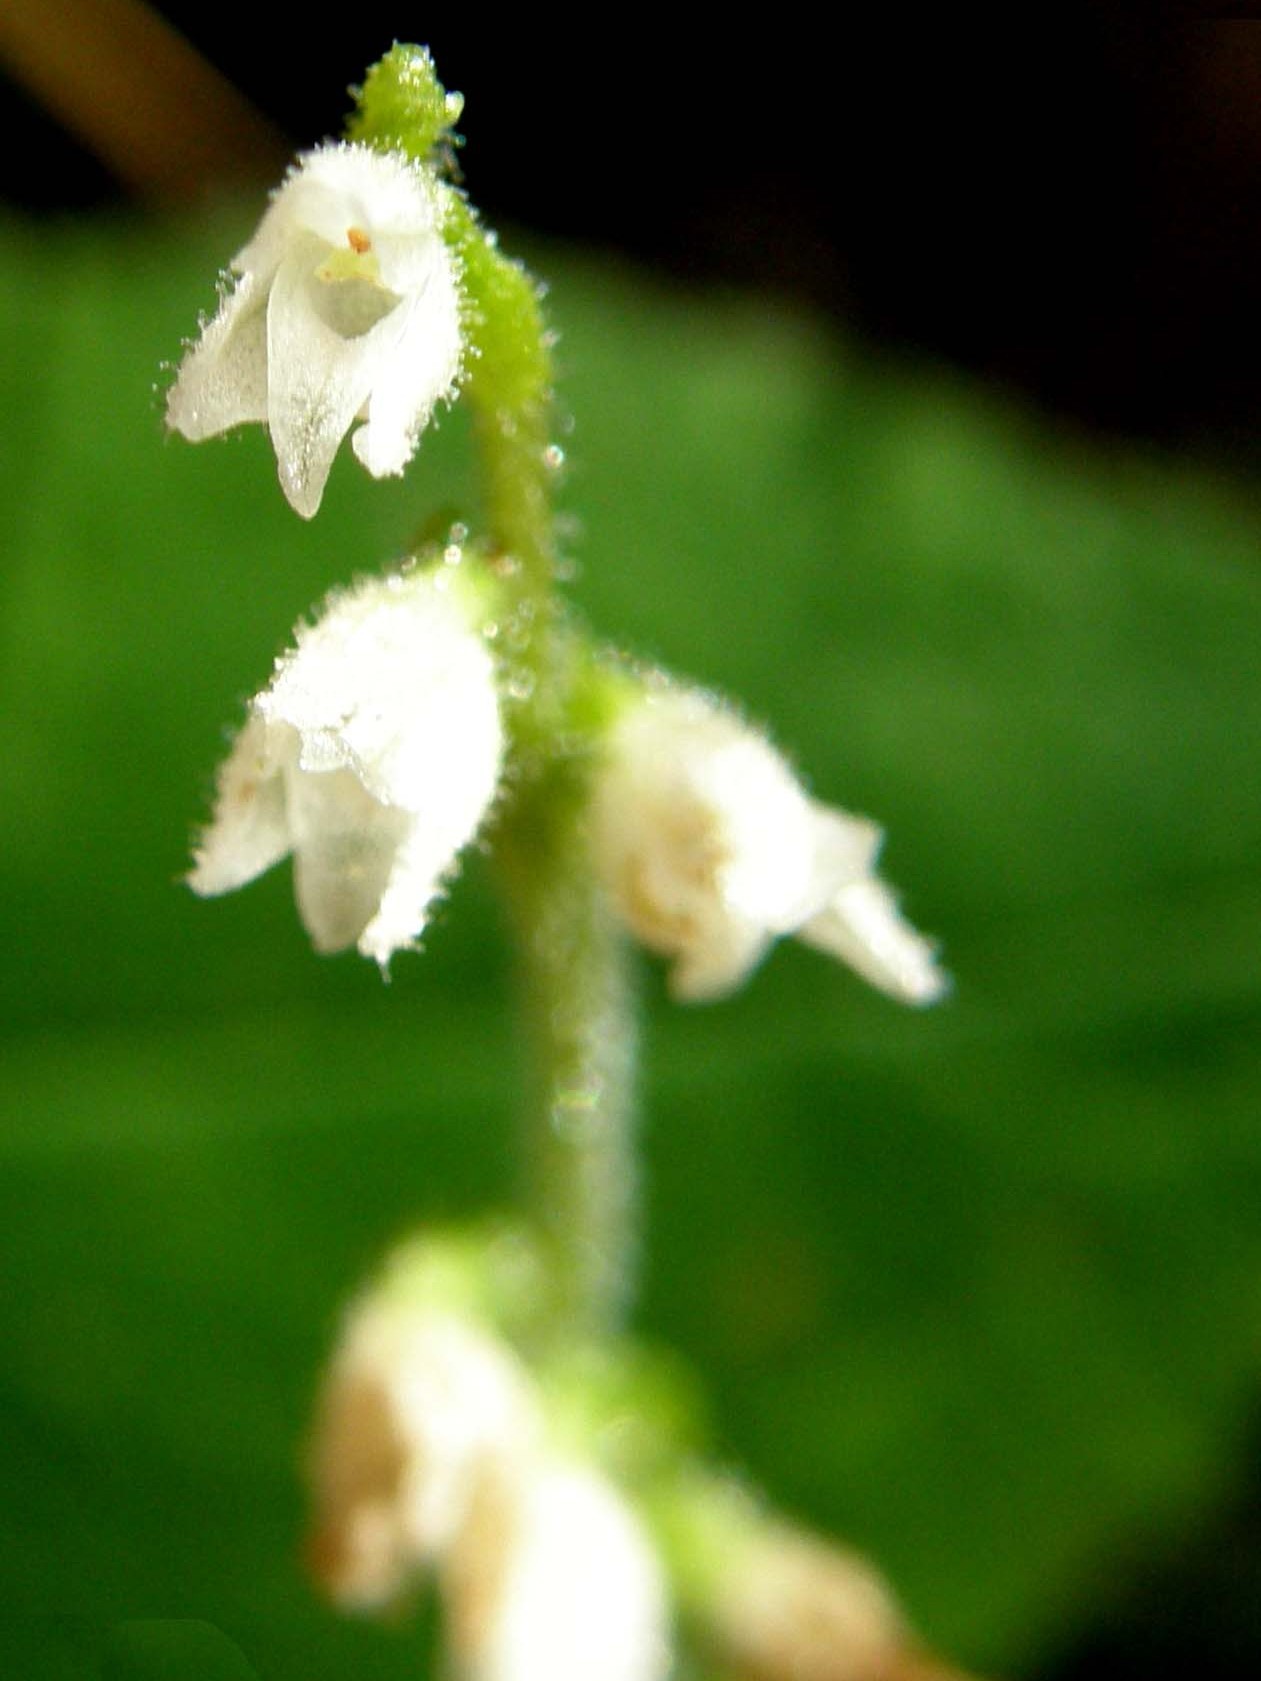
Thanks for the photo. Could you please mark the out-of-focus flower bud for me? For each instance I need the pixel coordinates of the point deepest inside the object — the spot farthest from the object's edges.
(419, 1409)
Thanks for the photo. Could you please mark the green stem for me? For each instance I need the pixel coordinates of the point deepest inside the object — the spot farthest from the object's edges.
(580, 1015)
(509, 388)
(576, 990)
(575, 982)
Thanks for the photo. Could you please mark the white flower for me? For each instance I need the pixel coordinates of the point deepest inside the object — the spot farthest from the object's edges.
(347, 307)
(710, 849)
(555, 1579)
(419, 1408)
(430, 1453)
(373, 757)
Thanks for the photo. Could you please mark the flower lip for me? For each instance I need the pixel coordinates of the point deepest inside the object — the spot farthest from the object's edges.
(346, 308)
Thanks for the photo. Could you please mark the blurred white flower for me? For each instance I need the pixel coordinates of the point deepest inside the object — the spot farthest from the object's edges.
(710, 849)
(555, 1579)
(431, 1453)
(790, 1607)
(418, 1409)
(373, 756)
(347, 307)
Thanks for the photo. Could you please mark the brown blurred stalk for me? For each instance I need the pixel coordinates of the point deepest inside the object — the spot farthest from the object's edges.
(138, 96)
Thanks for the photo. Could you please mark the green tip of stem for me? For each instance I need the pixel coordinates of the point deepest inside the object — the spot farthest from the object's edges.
(403, 107)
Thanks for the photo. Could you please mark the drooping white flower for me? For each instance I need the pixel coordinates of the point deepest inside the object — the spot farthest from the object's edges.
(372, 756)
(419, 1409)
(347, 307)
(711, 848)
(555, 1577)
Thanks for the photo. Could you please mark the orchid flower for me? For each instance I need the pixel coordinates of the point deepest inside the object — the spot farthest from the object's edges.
(346, 306)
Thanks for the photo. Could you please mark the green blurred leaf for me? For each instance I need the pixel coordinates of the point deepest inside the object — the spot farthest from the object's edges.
(979, 1289)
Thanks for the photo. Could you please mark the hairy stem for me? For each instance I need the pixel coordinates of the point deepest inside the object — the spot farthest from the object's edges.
(580, 1014)
(575, 985)
(574, 981)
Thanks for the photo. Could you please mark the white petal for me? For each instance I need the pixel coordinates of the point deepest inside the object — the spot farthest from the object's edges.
(444, 777)
(345, 845)
(418, 867)
(864, 928)
(764, 824)
(317, 380)
(421, 369)
(465, 1406)
(562, 1584)
(846, 849)
(393, 684)
(222, 381)
(340, 186)
(250, 830)
(282, 222)
(712, 967)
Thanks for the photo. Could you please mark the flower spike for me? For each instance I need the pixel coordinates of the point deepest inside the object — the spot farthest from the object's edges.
(373, 756)
(347, 307)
